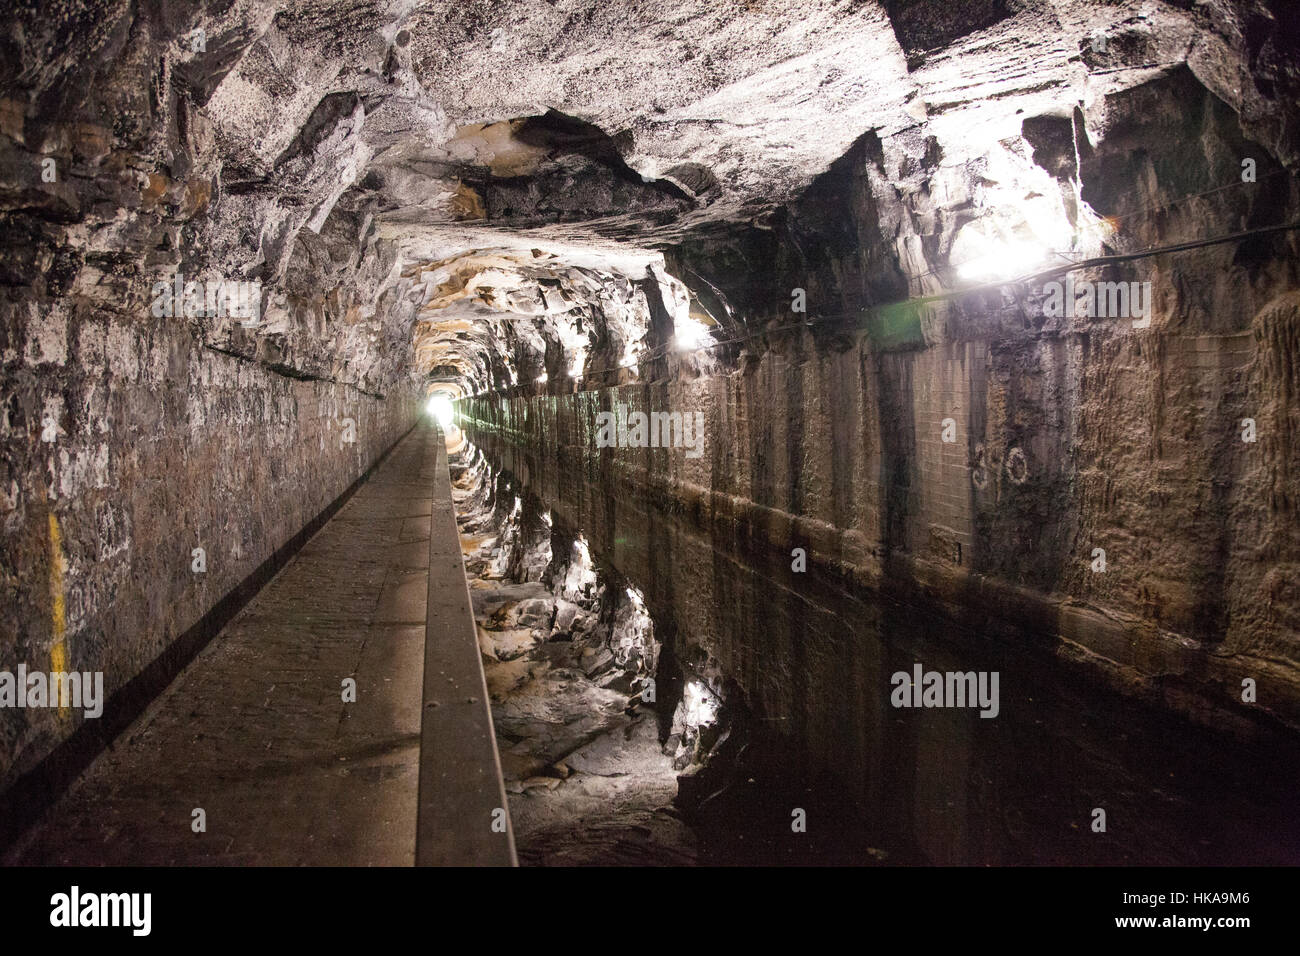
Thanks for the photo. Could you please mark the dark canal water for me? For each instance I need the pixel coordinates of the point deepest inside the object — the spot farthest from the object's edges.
(772, 737)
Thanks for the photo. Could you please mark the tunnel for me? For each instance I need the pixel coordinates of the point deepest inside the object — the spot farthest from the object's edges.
(839, 433)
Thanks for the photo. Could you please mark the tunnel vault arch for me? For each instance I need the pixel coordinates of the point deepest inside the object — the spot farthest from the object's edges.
(804, 221)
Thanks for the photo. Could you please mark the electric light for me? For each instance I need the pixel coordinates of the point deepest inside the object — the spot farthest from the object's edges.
(1005, 259)
(689, 334)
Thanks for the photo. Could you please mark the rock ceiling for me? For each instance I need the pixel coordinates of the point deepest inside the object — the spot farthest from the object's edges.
(490, 187)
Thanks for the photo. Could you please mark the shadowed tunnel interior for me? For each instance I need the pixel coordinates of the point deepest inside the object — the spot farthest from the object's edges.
(839, 432)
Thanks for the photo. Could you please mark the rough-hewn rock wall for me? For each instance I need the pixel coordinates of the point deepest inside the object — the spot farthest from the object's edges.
(163, 447)
(133, 433)
(840, 452)
(1162, 439)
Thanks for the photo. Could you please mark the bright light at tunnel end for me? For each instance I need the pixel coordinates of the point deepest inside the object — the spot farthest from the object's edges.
(441, 410)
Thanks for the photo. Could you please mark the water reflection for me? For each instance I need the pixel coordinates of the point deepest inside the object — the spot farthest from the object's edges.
(570, 657)
(775, 690)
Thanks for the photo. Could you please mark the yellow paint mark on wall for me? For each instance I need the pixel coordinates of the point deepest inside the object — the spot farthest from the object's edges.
(58, 611)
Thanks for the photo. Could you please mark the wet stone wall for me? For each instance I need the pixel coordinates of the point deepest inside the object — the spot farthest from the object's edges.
(984, 475)
(135, 447)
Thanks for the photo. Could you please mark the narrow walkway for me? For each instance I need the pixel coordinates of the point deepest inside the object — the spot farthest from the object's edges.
(255, 732)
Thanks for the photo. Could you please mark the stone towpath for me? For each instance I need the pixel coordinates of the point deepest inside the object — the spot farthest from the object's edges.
(255, 731)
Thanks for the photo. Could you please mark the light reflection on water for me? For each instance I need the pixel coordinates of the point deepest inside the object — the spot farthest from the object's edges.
(803, 663)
